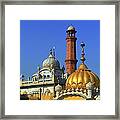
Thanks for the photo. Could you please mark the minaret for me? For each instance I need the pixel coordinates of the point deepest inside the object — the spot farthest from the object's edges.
(70, 50)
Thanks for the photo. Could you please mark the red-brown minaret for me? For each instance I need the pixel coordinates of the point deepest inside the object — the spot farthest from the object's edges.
(70, 50)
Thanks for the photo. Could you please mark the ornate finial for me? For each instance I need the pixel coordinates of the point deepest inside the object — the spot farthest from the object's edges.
(22, 77)
(63, 68)
(51, 51)
(38, 67)
(28, 78)
(82, 57)
(54, 51)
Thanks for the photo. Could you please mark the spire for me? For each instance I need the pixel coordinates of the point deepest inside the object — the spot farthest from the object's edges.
(51, 51)
(54, 51)
(38, 67)
(82, 54)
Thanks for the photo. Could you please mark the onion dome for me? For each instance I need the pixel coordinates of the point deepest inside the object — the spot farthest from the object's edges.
(51, 61)
(71, 28)
(82, 76)
(58, 88)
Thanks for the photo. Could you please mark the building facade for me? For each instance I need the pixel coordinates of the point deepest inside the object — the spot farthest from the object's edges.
(54, 83)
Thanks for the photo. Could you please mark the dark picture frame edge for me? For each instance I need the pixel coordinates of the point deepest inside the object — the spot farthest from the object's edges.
(2, 60)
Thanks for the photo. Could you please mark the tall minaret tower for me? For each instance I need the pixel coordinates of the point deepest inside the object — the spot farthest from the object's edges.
(70, 50)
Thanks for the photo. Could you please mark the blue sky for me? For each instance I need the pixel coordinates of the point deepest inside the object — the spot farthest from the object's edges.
(37, 37)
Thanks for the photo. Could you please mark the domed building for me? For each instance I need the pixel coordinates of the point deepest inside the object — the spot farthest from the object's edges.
(43, 82)
(51, 61)
(82, 84)
(51, 82)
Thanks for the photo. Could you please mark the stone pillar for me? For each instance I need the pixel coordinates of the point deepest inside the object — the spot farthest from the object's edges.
(57, 94)
(89, 93)
(89, 87)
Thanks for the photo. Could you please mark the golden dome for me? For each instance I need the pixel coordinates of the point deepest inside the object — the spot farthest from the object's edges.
(82, 76)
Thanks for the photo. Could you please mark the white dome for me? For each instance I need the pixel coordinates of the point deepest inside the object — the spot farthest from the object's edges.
(71, 28)
(58, 88)
(51, 62)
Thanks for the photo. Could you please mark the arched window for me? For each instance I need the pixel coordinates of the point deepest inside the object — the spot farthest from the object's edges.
(35, 79)
(39, 76)
(44, 76)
